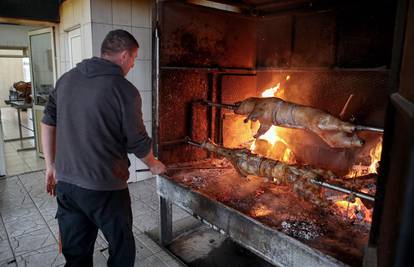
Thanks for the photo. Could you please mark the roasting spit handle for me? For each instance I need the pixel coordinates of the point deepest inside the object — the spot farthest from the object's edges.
(191, 142)
(343, 190)
(143, 170)
(368, 128)
(228, 106)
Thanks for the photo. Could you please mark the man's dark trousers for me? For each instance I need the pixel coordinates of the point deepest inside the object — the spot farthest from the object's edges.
(81, 212)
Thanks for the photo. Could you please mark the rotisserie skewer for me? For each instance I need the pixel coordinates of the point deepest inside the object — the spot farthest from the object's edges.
(305, 181)
(275, 111)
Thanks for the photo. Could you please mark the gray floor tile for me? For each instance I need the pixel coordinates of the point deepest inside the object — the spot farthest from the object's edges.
(45, 202)
(142, 250)
(47, 256)
(151, 261)
(169, 260)
(147, 222)
(32, 241)
(24, 225)
(6, 253)
(8, 202)
(3, 233)
(23, 201)
(22, 161)
(55, 230)
(12, 158)
(31, 179)
(14, 195)
(16, 214)
(151, 182)
(8, 262)
(178, 213)
(10, 184)
(99, 259)
(141, 190)
(149, 243)
(139, 208)
(17, 170)
(101, 243)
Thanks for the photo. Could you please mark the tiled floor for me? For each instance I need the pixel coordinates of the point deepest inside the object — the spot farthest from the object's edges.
(23, 161)
(28, 230)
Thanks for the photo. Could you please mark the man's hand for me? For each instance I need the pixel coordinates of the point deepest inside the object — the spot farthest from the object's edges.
(49, 149)
(157, 167)
(50, 181)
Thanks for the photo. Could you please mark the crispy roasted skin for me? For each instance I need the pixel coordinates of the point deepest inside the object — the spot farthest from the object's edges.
(298, 177)
(275, 111)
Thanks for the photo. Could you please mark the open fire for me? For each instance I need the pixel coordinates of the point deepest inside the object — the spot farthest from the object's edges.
(266, 179)
(273, 145)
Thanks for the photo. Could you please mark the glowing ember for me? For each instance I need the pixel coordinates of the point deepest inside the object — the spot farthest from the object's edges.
(375, 155)
(354, 211)
(260, 211)
(357, 211)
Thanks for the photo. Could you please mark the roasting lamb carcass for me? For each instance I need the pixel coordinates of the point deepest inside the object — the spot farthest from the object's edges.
(275, 111)
(247, 163)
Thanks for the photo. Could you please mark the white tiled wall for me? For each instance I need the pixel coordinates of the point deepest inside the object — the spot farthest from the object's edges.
(133, 16)
(73, 14)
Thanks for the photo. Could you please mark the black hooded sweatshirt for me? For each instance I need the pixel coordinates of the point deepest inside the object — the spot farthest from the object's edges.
(98, 120)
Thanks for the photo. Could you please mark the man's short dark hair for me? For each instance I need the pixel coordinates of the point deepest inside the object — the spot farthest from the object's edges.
(117, 41)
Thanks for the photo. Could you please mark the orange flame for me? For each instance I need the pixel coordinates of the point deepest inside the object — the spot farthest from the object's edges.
(375, 155)
(261, 211)
(271, 92)
(355, 211)
(272, 136)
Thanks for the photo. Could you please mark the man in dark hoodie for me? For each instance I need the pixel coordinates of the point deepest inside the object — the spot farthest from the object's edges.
(92, 120)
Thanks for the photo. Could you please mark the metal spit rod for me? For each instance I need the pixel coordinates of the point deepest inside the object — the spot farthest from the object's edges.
(343, 190)
(317, 182)
(368, 128)
(234, 107)
(191, 142)
(187, 168)
(228, 106)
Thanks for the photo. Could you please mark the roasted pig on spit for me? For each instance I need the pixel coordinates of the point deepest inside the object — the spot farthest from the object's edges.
(247, 163)
(306, 181)
(275, 111)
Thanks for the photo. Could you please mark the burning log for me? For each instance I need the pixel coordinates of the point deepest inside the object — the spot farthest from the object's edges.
(275, 111)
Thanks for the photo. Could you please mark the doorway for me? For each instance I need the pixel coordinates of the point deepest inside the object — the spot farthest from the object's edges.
(17, 96)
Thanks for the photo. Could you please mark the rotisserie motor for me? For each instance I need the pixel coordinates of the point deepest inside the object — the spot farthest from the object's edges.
(275, 111)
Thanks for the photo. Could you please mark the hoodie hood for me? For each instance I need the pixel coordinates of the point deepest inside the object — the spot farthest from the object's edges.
(98, 67)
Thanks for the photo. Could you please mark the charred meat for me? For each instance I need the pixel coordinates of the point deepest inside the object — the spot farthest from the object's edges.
(299, 177)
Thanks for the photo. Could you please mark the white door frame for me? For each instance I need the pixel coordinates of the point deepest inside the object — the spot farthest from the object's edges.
(73, 33)
(40, 108)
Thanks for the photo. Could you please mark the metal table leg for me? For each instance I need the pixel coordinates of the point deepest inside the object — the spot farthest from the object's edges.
(19, 121)
(165, 221)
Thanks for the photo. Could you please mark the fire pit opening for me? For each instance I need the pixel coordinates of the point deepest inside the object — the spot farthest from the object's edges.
(334, 57)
